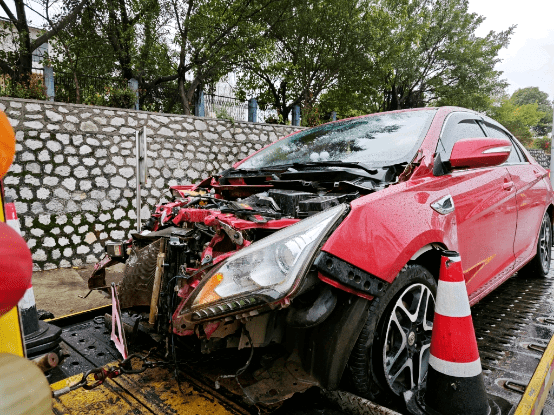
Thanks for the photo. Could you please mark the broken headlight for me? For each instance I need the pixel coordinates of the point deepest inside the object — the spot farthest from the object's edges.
(264, 272)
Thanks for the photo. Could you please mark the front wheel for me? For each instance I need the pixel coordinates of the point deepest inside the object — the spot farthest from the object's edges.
(392, 352)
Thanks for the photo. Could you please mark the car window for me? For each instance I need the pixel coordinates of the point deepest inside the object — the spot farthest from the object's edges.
(458, 127)
(495, 132)
(375, 140)
(516, 150)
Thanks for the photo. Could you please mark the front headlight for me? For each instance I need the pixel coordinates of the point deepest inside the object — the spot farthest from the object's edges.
(266, 271)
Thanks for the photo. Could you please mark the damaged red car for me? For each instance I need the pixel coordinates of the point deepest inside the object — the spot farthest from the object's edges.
(325, 243)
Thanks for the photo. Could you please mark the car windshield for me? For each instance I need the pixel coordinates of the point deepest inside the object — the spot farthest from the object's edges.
(376, 140)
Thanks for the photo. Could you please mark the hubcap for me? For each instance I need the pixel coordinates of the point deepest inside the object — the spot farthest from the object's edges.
(408, 337)
(545, 244)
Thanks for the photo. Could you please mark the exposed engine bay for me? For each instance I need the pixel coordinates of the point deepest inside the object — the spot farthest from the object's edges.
(219, 265)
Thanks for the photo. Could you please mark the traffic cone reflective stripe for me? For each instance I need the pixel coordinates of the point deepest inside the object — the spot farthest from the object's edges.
(28, 312)
(455, 382)
(450, 303)
(11, 215)
(462, 370)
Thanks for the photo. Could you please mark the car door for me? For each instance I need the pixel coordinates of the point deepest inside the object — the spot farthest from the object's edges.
(485, 207)
(531, 193)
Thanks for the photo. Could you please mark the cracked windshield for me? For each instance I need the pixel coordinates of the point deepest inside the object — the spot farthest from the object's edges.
(373, 140)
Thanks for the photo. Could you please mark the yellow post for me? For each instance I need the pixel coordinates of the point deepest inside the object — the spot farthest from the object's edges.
(11, 337)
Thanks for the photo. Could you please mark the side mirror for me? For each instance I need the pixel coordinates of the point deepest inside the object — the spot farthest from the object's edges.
(480, 152)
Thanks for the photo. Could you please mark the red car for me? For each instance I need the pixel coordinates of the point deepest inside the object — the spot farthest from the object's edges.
(321, 249)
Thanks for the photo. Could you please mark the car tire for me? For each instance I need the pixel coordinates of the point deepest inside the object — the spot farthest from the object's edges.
(540, 264)
(373, 376)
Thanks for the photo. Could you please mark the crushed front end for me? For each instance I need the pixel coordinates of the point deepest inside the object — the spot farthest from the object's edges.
(238, 271)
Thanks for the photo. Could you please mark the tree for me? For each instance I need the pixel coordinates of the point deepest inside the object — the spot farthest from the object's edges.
(308, 48)
(531, 95)
(212, 36)
(121, 39)
(427, 54)
(519, 120)
(18, 64)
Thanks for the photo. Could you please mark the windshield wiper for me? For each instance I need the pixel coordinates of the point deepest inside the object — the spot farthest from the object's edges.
(370, 171)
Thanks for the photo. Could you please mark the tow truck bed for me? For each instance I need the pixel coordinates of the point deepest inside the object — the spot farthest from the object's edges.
(514, 326)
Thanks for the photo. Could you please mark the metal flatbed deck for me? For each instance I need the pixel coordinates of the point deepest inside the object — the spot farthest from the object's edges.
(514, 325)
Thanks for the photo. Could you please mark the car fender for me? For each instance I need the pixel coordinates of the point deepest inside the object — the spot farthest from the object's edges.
(384, 230)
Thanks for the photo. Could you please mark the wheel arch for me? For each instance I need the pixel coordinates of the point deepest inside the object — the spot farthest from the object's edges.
(429, 257)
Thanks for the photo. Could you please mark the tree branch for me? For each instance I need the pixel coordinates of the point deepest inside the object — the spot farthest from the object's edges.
(58, 27)
(8, 12)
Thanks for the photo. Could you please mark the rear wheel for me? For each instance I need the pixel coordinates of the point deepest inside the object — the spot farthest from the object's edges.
(392, 352)
(540, 264)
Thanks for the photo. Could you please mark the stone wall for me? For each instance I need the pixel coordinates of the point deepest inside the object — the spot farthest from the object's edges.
(73, 177)
(543, 159)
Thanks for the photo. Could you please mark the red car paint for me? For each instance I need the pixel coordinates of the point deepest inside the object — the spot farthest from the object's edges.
(468, 151)
(498, 213)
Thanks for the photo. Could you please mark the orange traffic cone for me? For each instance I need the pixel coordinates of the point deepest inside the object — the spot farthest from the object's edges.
(454, 383)
(40, 337)
(455, 371)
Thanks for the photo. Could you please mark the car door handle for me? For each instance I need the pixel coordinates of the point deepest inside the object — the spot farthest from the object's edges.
(508, 185)
(538, 174)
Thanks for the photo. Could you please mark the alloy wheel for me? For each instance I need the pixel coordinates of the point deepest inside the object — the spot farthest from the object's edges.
(545, 244)
(408, 338)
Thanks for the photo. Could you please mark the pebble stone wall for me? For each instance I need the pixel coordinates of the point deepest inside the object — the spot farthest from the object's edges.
(73, 177)
(543, 159)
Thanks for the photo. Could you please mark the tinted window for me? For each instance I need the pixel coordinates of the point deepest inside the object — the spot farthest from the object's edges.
(456, 129)
(516, 155)
(376, 140)
(495, 132)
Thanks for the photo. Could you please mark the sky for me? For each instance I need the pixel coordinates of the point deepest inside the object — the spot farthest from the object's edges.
(528, 61)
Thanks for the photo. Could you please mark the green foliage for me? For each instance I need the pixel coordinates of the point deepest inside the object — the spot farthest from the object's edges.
(307, 47)
(221, 112)
(123, 98)
(425, 53)
(542, 143)
(34, 88)
(527, 113)
(517, 119)
(310, 116)
(531, 95)
(277, 120)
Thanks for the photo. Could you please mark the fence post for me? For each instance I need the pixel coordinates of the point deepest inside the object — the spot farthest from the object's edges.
(134, 86)
(252, 110)
(199, 108)
(333, 116)
(296, 115)
(48, 73)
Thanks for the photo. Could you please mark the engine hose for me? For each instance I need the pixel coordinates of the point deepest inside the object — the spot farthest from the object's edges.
(314, 314)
